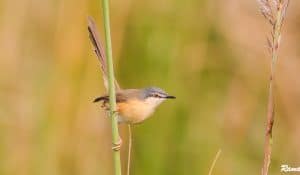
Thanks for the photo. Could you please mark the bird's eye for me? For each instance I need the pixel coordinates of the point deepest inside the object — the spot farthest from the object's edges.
(156, 95)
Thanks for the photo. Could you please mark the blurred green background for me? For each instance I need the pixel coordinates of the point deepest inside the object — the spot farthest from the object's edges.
(211, 54)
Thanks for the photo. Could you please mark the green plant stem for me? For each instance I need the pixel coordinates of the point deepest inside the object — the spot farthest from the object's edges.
(111, 88)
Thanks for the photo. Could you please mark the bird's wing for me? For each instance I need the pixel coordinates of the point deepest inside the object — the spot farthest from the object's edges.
(119, 98)
(102, 98)
(99, 50)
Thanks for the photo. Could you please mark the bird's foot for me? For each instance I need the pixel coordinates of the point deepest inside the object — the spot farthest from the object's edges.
(117, 146)
(115, 112)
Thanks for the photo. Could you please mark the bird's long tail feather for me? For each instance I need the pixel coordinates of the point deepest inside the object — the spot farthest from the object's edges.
(99, 50)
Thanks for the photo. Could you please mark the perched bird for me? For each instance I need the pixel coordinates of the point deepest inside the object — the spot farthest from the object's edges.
(136, 105)
(133, 105)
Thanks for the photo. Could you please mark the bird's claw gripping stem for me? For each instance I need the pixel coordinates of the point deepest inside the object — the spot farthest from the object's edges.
(115, 112)
(117, 146)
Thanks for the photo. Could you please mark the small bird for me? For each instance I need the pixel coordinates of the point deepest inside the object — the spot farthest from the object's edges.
(136, 105)
(133, 105)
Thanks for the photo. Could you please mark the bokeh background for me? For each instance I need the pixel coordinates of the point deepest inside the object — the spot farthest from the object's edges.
(211, 54)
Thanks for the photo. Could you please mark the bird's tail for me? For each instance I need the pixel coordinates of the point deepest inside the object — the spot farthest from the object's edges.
(99, 50)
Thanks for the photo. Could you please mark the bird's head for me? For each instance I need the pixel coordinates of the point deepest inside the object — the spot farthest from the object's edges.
(154, 96)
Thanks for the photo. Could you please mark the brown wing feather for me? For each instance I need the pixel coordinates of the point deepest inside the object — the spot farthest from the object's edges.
(105, 98)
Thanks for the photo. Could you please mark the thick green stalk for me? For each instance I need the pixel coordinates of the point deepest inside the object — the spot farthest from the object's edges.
(111, 88)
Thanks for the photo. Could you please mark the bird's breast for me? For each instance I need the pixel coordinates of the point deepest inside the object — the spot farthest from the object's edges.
(134, 111)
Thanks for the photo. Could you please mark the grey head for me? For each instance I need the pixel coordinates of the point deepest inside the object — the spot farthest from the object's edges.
(156, 92)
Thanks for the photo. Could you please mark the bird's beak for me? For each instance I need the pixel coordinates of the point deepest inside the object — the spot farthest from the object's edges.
(170, 97)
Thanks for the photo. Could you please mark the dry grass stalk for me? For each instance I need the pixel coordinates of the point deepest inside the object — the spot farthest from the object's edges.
(214, 162)
(275, 13)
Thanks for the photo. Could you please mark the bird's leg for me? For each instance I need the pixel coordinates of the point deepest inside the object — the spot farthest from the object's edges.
(117, 146)
(115, 112)
(105, 105)
(107, 108)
